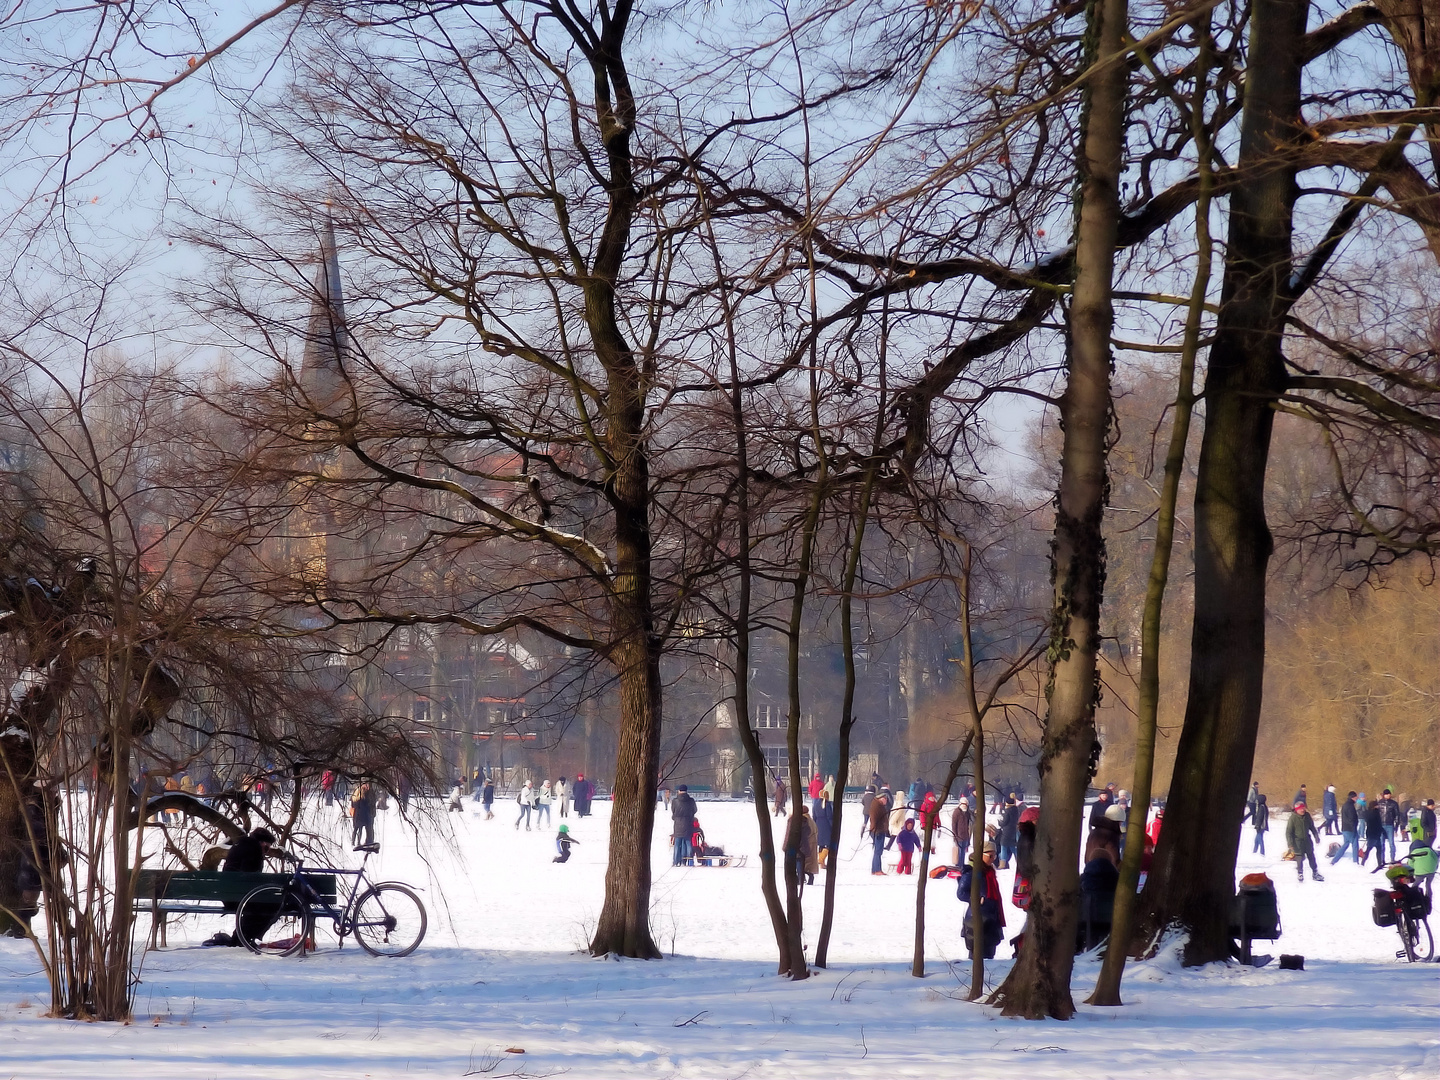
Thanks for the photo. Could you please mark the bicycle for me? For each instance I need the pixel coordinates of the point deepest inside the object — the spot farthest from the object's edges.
(386, 917)
(1406, 908)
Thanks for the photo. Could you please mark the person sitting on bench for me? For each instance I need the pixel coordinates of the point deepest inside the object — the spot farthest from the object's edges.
(247, 856)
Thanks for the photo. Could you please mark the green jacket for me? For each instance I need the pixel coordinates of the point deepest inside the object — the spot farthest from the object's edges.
(1298, 831)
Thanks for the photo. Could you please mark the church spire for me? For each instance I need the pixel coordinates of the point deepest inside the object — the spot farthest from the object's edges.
(327, 340)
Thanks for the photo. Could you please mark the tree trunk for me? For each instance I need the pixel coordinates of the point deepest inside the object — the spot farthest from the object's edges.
(748, 738)
(1192, 878)
(1039, 984)
(1107, 987)
(624, 924)
(794, 913)
(847, 709)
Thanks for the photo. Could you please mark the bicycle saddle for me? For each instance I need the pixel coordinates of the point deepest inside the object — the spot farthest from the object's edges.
(371, 848)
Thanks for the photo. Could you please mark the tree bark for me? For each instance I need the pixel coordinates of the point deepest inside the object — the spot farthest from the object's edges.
(847, 708)
(1039, 983)
(1192, 877)
(1107, 987)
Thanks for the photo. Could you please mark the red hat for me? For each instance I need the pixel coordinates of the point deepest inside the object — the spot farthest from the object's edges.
(1300, 805)
(1030, 813)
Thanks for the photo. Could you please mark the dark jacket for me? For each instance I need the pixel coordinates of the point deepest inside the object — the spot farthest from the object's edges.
(246, 857)
(1349, 816)
(880, 815)
(1298, 831)
(1329, 804)
(908, 840)
(1373, 829)
(1390, 815)
(1427, 820)
(682, 810)
(824, 823)
(1097, 811)
(1099, 876)
(1260, 813)
(1009, 822)
(961, 821)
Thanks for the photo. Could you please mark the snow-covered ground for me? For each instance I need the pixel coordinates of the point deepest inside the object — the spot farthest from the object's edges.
(503, 970)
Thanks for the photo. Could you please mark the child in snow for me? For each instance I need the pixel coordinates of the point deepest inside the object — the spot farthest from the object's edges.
(907, 841)
(457, 798)
(563, 840)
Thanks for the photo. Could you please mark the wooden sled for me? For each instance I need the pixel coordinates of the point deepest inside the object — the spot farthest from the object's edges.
(734, 861)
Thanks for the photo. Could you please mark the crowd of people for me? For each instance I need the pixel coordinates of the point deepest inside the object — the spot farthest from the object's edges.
(1363, 828)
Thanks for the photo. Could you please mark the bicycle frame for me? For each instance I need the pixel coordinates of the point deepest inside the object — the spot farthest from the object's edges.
(342, 919)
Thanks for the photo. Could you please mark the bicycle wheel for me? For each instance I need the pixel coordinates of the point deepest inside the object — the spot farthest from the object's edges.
(388, 920)
(273, 921)
(1422, 943)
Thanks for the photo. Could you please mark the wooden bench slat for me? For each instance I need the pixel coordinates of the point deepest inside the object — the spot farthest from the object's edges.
(214, 886)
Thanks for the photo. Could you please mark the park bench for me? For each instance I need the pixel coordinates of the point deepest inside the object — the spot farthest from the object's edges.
(163, 893)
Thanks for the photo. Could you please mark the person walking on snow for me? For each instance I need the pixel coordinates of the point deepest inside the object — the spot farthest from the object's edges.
(562, 794)
(523, 798)
(487, 798)
(879, 830)
(1261, 816)
(1299, 831)
(1374, 835)
(457, 798)
(907, 841)
(1331, 810)
(1349, 830)
(780, 793)
(542, 804)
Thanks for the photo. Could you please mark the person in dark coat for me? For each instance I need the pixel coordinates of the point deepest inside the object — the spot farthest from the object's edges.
(682, 813)
(1331, 810)
(583, 792)
(362, 820)
(1374, 835)
(487, 798)
(879, 830)
(1300, 796)
(1299, 832)
(1097, 811)
(1349, 830)
(1009, 832)
(992, 910)
(1390, 821)
(1260, 816)
(865, 801)
(1427, 821)
(779, 797)
(247, 856)
(962, 820)
(824, 825)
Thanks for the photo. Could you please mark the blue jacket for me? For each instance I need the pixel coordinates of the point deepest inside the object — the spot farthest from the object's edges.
(1331, 809)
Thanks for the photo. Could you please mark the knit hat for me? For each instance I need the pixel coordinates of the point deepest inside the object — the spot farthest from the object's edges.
(1300, 805)
(1115, 813)
(682, 787)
